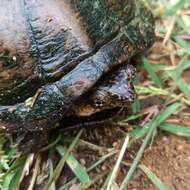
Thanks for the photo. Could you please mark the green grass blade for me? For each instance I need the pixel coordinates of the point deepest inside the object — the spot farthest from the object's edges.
(16, 168)
(61, 163)
(51, 144)
(158, 67)
(181, 84)
(172, 9)
(118, 163)
(92, 167)
(53, 185)
(152, 90)
(182, 66)
(133, 167)
(162, 116)
(95, 180)
(136, 106)
(75, 166)
(140, 132)
(180, 22)
(18, 163)
(185, 45)
(106, 181)
(4, 163)
(7, 181)
(176, 129)
(151, 72)
(16, 179)
(155, 180)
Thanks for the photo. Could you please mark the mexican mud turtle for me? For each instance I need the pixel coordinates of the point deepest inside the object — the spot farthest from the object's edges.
(67, 57)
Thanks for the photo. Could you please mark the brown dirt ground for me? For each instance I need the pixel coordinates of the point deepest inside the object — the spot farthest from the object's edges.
(169, 159)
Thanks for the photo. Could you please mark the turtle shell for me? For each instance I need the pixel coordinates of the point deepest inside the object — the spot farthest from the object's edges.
(40, 41)
(36, 38)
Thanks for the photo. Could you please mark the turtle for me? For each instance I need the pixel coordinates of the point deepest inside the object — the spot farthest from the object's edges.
(68, 57)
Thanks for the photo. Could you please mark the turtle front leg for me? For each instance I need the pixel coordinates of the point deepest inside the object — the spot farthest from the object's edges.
(53, 101)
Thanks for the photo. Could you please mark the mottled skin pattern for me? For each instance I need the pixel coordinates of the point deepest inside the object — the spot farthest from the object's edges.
(109, 92)
(69, 56)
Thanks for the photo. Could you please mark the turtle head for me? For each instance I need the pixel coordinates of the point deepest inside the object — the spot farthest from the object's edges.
(115, 89)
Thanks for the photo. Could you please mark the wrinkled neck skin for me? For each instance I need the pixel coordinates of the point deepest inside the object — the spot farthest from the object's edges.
(100, 19)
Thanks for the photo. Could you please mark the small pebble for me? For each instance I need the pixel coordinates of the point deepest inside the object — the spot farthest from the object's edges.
(83, 162)
(104, 168)
(115, 144)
